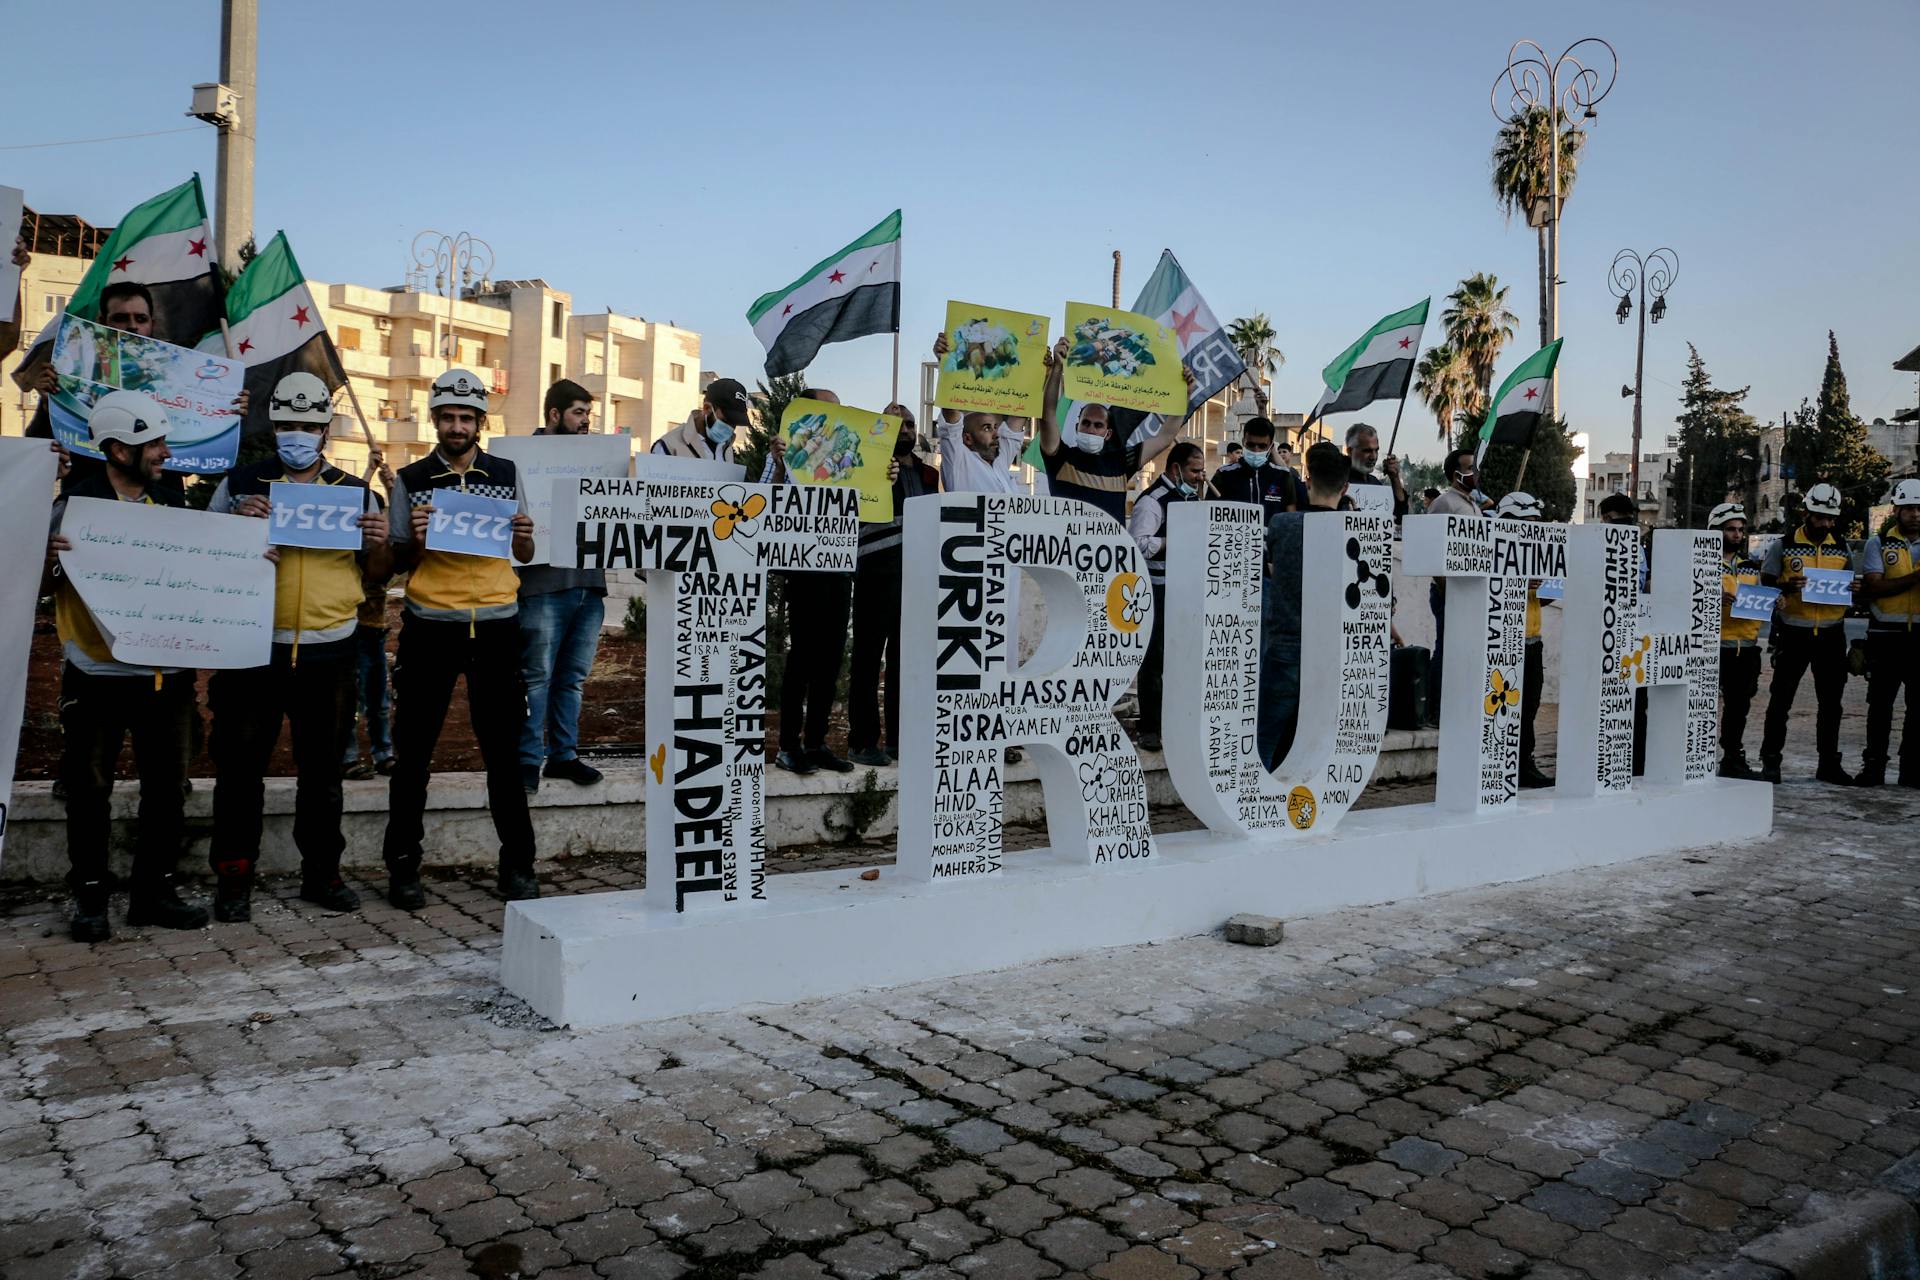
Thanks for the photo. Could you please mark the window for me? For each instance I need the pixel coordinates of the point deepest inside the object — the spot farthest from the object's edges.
(388, 410)
(559, 320)
(56, 303)
(386, 344)
(480, 355)
(678, 372)
(349, 338)
(553, 374)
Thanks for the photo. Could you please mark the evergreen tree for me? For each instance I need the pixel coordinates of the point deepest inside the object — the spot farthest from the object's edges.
(1549, 467)
(1831, 445)
(1715, 431)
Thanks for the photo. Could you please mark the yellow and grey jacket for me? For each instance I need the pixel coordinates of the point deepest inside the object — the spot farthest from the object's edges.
(1789, 559)
(447, 586)
(1737, 572)
(316, 592)
(1892, 555)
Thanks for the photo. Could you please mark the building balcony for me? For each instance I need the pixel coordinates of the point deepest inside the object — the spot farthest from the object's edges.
(366, 364)
(599, 385)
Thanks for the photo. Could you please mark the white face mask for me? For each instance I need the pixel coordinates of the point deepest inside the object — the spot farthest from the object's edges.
(1088, 441)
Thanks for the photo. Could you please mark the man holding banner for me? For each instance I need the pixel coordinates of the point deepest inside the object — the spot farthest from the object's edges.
(1084, 457)
(103, 701)
(1814, 571)
(330, 530)
(1739, 636)
(461, 520)
(560, 615)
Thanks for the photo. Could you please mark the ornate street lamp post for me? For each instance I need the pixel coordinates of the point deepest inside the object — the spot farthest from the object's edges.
(455, 260)
(1570, 85)
(1628, 273)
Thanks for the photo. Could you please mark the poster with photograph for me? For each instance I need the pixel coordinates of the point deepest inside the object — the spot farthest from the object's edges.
(1120, 358)
(994, 361)
(838, 445)
(194, 389)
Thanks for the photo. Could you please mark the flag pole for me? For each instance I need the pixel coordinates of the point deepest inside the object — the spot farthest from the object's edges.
(354, 397)
(1521, 474)
(1395, 437)
(896, 323)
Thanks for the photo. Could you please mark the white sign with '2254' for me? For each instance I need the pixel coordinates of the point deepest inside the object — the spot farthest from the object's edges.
(471, 525)
(323, 516)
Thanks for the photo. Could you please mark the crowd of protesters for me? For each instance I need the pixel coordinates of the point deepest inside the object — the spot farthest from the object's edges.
(525, 636)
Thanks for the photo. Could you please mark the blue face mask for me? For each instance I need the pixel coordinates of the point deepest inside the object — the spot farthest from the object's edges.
(1187, 490)
(719, 433)
(1255, 458)
(298, 449)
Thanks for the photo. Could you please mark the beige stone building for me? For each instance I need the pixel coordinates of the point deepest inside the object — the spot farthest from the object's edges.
(522, 335)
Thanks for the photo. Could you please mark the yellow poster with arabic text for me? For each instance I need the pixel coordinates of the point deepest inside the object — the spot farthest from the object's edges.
(835, 444)
(1122, 358)
(994, 361)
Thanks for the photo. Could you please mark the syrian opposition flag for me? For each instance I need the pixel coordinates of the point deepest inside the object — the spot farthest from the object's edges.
(850, 294)
(165, 245)
(276, 329)
(1377, 367)
(1170, 298)
(1516, 408)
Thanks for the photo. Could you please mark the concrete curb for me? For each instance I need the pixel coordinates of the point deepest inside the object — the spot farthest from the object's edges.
(1869, 1235)
(608, 817)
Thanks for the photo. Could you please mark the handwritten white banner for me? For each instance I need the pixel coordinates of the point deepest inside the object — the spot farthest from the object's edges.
(543, 460)
(172, 587)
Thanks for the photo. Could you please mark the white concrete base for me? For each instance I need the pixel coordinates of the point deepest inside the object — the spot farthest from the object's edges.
(602, 959)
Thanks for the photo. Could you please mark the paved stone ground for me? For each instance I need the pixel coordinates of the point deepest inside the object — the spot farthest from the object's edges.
(1604, 1074)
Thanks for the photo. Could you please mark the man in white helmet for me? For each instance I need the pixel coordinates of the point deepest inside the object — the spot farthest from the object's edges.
(310, 680)
(1890, 580)
(1739, 640)
(1807, 636)
(1519, 505)
(461, 618)
(103, 701)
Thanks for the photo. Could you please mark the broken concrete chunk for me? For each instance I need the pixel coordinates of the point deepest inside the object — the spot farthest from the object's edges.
(1255, 931)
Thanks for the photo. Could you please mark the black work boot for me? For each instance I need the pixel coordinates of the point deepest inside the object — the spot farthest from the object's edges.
(1736, 766)
(157, 902)
(1872, 774)
(1531, 779)
(90, 912)
(1831, 771)
(233, 892)
(403, 888)
(329, 892)
(518, 885)
(1770, 769)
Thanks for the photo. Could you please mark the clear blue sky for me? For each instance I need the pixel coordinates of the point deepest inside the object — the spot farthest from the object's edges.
(677, 161)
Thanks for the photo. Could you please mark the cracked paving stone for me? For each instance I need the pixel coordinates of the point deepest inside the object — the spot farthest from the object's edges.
(942, 1234)
(869, 1257)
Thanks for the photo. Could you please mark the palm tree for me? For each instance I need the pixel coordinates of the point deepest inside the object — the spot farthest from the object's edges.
(1522, 173)
(1478, 324)
(1444, 382)
(1252, 337)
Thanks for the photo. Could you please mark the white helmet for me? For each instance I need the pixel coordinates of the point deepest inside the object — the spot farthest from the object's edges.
(1518, 505)
(458, 388)
(1724, 512)
(130, 417)
(1823, 500)
(301, 397)
(1907, 493)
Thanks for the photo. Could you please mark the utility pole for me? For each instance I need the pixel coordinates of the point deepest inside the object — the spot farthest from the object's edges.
(239, 47)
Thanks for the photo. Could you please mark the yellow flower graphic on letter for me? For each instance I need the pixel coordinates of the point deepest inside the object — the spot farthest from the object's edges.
(1129, 600)
(1633, 666)
(1501, 696)
(736, 509)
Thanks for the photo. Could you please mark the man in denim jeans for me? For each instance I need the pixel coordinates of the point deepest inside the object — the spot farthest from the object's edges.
(560, 615)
